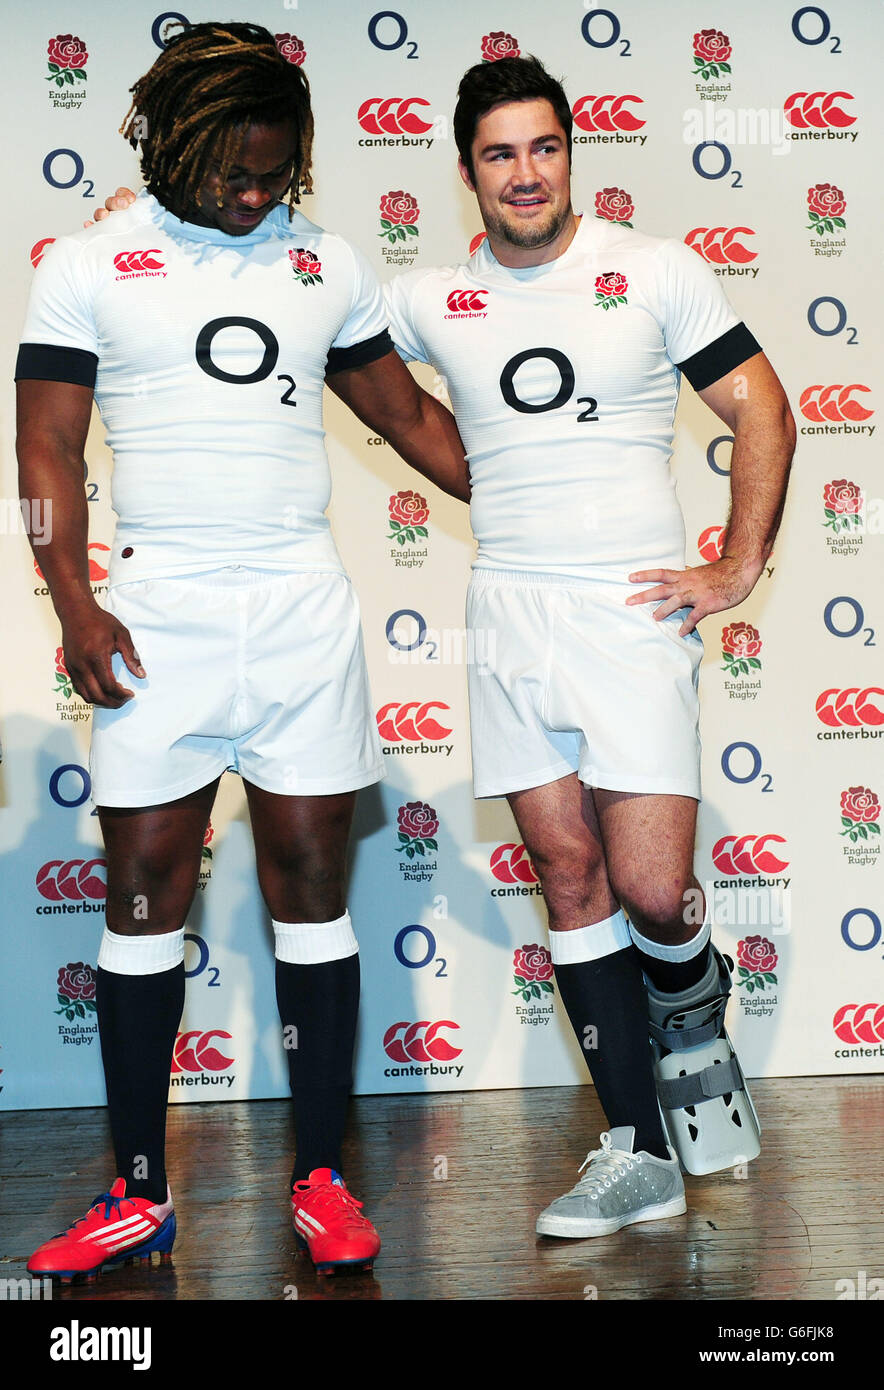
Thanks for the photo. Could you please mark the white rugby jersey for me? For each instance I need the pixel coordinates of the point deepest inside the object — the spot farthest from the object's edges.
(564, 380)
(208, 354)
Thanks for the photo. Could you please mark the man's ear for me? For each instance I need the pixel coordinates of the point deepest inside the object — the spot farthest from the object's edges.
(465, 175)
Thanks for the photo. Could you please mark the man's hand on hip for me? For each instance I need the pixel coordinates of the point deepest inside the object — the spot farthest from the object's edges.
(705, 589)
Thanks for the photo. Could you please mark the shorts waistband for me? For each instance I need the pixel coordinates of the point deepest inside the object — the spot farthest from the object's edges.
(240, 577)
(538, 580)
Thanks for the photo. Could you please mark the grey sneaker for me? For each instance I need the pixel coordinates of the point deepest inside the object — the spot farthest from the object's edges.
(618, 1189)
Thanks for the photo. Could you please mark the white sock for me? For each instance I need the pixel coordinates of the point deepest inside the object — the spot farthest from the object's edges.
(311, 943)
(590, 943)
(686, 951)
(141, 955)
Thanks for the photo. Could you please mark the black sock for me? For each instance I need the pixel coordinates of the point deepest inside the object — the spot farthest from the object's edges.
(320, 1002)
(674, 977)
(138, 1017)
(608, 996)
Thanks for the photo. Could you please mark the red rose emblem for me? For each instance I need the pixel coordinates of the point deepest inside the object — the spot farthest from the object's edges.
(498, 45)
(756, 953)
(409, 509)
(77, 981)
(826, 200)
(291, 48)
(418, 821)
(614, 204)
(741, 640)
(532, 963)
(611, 284)
(843, 497)
(712, 46)
(399, 207)
(66, 51)
(860, 805)
(209, 835)
(60, 667)
(305, 262)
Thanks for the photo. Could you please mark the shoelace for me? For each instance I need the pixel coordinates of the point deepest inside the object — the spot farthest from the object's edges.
(326, 1192)
(607, 1164)
(109, 1202)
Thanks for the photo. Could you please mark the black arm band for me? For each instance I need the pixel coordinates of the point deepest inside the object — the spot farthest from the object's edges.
(715, 361)
(46, 362)
(360, 354)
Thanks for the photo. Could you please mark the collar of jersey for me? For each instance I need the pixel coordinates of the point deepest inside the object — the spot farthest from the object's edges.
(213, 235)
(487, 263)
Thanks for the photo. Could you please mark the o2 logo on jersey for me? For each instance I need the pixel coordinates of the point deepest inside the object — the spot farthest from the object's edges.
(547, 382)
(205, 343)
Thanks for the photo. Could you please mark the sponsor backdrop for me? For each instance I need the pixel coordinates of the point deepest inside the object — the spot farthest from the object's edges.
(747, 132)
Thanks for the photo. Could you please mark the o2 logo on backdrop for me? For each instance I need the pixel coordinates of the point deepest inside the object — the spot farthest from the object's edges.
(854, 936)
(739, 773)
(388, 31)
(839, 625)
(415, 947)
(601, 29)
(820, 324)
(70, 785)
(60, 174)
(165, 27)
(812, 26)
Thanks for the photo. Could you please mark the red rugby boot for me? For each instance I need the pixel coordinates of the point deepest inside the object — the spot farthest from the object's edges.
(328, 1225)
(115, 1228)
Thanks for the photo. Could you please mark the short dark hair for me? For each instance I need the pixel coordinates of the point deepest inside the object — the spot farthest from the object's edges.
(509, 79)
(208, 84)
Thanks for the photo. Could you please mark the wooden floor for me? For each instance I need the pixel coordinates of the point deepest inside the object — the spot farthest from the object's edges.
(809, 1213)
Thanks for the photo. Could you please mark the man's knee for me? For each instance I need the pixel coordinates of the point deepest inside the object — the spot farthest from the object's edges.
(658, 910)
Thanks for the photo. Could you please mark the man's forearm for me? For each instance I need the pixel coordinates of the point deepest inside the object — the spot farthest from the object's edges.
(760, 461)
(430, 442)
(63, 558)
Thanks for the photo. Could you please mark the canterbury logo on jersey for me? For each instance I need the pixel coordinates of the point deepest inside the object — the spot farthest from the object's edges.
(139, 263)
(467, 304)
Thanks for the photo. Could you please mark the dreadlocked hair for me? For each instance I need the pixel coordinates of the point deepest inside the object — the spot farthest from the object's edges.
(193, 105)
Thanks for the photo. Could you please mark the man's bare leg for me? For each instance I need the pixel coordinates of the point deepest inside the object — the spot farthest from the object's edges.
(301, 850)
(597, 969)
(153, 859)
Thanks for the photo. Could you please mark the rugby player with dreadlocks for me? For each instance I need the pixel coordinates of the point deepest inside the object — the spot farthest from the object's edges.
(204, 321)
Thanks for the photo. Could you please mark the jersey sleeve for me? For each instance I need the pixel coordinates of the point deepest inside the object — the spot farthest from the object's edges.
(59, 341)
(363, 336)
(704, 336)
(399, 298)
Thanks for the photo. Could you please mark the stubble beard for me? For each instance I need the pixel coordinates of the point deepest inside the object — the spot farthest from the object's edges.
(530, 236)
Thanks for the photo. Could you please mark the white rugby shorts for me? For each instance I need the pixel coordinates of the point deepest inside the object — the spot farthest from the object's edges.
(572, 680)
(262, 673)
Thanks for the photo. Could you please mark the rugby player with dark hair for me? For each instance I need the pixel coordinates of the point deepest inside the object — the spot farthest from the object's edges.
(204, 321)
(587, 718)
